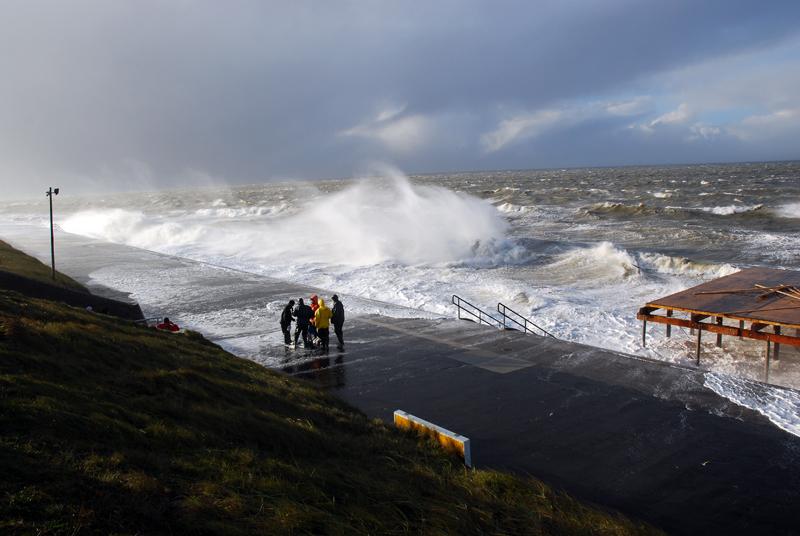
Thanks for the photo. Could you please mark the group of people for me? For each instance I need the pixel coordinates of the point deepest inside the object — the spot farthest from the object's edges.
(313, 322)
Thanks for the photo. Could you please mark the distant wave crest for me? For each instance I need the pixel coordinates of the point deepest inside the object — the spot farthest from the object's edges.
(623, 210)
(605, 262)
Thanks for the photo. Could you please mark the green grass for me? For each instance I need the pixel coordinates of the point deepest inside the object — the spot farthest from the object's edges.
(14, 261)
(110, 428)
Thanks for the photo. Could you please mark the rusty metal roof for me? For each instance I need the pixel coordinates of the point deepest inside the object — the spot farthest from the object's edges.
(764, 295)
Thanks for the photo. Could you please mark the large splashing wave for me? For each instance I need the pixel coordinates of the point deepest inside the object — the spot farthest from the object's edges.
(374, 221)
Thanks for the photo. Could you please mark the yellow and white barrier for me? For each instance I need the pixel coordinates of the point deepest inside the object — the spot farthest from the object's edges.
(449, 440)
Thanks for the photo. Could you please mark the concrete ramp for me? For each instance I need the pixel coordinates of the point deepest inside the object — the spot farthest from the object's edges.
(642, 436)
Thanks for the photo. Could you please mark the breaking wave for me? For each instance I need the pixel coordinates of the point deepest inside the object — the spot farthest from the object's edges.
(623, 210)
(732, 209)
(374, 221)
(605, 262)
(513, 210)
(666, 264)
(602, 262)
(242, 212)
(791, 210)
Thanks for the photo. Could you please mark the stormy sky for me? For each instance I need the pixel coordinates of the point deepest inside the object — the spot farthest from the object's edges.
(112, 95)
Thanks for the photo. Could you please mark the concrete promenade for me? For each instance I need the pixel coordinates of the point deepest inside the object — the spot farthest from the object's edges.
(642, 436)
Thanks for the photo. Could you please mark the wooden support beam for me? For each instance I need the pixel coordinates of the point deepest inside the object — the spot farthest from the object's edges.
(741, 329)
(777, 352)
(725, 330)
(699, 334)
(669, 326)
(644, 333)
(719, 335)
(766, 370)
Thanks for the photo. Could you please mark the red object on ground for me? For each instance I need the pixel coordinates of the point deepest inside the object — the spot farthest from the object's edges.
(168, 326)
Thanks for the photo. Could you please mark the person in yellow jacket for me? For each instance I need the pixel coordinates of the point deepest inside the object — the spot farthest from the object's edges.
(322, 320)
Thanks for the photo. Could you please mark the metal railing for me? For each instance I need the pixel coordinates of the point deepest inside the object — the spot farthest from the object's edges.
(148, 320)
(523, 322)
(478, 315)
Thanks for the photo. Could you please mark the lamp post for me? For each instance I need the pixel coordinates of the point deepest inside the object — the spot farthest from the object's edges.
(50, 193)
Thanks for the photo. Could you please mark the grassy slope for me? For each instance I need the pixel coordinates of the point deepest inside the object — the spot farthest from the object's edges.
(119, 429)
(106, 427)
(17, 262)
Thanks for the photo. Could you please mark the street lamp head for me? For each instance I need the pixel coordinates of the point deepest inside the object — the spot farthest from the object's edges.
(55, 191)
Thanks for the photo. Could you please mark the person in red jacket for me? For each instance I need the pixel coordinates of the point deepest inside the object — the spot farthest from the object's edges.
(312, 326)
(166, 325)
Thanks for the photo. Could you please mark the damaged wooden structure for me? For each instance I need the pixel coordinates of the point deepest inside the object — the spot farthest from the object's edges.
(756, 303)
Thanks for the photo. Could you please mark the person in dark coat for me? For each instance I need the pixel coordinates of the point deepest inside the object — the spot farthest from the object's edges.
(286, 322)
(303, 313)
(337, 319)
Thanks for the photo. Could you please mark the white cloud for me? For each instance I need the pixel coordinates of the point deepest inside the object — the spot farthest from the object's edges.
(532, 124)
(628, 108)
(395, 131)
(520, 127)
(702, 131)
(760, 127)
(390, 112)
(677, 116)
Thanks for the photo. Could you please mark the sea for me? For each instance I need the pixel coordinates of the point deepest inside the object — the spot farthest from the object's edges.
(577, 251)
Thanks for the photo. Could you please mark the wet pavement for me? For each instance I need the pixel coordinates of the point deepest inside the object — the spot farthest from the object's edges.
(643, 436)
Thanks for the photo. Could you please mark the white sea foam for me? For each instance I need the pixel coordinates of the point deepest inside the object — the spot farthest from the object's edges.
(135, 228)
(790, 210)
(241, 212)
(731, 209)
(779, 405)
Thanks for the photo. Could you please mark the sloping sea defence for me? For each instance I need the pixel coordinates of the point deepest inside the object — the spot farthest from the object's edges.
(643, 436)
(14, 270)
(109, 427)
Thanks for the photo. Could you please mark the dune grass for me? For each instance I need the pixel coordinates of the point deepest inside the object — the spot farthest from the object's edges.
(109, 428)
(14, 261)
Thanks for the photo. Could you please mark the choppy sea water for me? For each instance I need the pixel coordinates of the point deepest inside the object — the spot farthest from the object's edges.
(578, 251)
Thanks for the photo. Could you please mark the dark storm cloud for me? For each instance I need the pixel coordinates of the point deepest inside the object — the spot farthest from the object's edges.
(135, 94)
